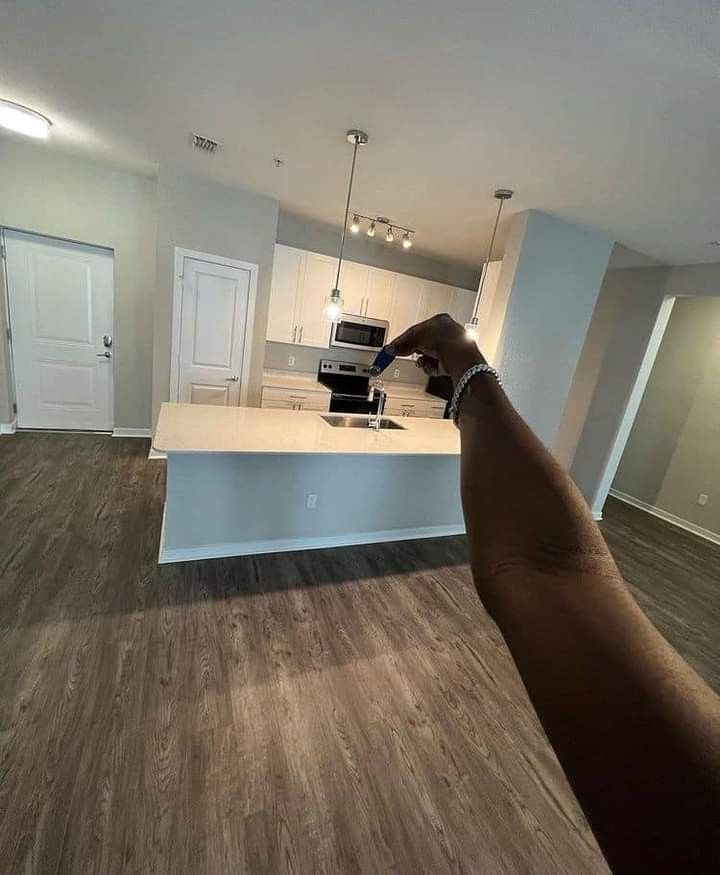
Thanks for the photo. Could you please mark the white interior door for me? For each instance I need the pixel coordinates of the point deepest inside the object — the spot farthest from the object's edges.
(61, 319)
(212, 332)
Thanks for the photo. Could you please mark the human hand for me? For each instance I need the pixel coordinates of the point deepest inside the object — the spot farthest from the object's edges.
(443, 345)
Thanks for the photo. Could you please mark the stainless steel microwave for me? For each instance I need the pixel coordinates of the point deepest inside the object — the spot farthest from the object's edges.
(359, 332)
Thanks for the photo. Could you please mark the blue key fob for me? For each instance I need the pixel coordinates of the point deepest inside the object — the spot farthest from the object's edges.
(382, 361)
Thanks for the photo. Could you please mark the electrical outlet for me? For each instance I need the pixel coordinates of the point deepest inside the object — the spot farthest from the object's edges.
(702, 499)
(291, 360)
(311, 501)
(396, 373)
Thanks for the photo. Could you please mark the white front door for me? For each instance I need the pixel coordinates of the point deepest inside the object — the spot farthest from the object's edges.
(212, 332)
(61, 319)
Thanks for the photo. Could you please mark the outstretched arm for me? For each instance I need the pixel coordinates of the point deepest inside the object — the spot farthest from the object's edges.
(636, 730)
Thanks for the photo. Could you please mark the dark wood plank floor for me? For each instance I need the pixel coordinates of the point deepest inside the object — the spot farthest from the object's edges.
(351, 710)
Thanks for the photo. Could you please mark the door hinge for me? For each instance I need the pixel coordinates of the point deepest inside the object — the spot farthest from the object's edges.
(9, 335)
(14, 408)
(2, 251)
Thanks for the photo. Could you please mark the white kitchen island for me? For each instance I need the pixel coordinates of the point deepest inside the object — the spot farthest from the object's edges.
(243, 480)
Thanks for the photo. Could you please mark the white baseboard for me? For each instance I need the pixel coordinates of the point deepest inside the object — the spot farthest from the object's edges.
(667, 516)
(156, 454)
(286, 545)
(132, 432)
(8, 427)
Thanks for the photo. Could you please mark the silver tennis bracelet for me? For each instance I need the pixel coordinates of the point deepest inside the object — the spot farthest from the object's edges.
(462, 384)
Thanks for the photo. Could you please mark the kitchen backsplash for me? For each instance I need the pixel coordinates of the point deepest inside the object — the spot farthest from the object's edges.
(306, 360)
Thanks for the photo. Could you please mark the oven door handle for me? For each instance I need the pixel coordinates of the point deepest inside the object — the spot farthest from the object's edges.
(343, 397)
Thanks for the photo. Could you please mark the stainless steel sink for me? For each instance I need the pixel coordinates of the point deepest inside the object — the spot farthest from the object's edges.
(338, 421)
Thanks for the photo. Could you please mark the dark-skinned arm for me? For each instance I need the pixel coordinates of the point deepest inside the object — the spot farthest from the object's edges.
(635, 728)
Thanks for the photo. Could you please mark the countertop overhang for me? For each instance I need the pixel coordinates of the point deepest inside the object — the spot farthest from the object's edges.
(196, 428)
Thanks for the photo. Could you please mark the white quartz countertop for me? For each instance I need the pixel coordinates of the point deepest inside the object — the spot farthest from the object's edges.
(196, 428)
(287, 380)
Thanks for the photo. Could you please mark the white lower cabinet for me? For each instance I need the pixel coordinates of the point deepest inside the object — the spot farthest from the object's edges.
(414, 407)
(294, 399)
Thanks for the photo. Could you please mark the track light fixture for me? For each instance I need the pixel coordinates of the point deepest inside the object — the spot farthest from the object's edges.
(392, 228)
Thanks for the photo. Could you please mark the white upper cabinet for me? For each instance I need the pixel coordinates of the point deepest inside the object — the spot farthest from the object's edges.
(488, 295)
(407, 299)
(319, 280)
(353, 285)
(436, 299)
(301, 281)
(285, 293)
(461, 305)
(379, 293)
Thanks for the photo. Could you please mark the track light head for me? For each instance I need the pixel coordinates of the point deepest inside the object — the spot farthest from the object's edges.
(355, 226)
(406, 240)
(389, 237)
(371, 229)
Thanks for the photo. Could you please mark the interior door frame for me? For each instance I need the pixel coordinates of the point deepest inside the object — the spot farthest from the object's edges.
(5, 294)
(180, 255)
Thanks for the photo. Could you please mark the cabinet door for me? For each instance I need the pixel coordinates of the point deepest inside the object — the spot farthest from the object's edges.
(287, 274)
(488, 295)
(318, 281)
(406, 302)
(353, 285)
(436, 299)
(461, 306)
(379, 293)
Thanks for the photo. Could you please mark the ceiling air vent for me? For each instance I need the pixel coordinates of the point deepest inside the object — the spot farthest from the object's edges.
(205, 144)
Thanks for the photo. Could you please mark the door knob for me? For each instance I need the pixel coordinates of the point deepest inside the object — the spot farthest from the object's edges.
(103, 355)
(107, 340)
(231, 379)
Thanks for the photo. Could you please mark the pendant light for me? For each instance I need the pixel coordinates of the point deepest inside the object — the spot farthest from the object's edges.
(334, 301)
(471, 327)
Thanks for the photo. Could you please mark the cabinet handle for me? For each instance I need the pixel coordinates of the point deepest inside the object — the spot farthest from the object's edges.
(301, 331)
(294, 333)
(367, 304)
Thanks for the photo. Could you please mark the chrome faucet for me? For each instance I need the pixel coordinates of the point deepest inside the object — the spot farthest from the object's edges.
(375, 419)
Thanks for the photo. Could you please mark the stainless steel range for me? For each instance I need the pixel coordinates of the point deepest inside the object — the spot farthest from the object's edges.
(350, 386)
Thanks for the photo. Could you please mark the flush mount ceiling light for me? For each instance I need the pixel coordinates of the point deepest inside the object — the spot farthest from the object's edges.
(374, 221)
(23, 120)
(334, 301)
(471, 327)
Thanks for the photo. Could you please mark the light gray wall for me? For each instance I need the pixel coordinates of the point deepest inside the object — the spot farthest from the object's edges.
(586, 376)
(638, 295)
(673, 452)
(6, 389)
(219, 220)
(62, 196)
(294, 230)
(558, 269)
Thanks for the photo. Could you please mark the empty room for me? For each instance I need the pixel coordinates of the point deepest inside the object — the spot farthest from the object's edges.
(359, 437)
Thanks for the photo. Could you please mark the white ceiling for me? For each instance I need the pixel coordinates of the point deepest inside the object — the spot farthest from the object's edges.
(605, 112)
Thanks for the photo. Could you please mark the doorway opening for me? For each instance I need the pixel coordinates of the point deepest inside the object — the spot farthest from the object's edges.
(670, 461)
(60, 319)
